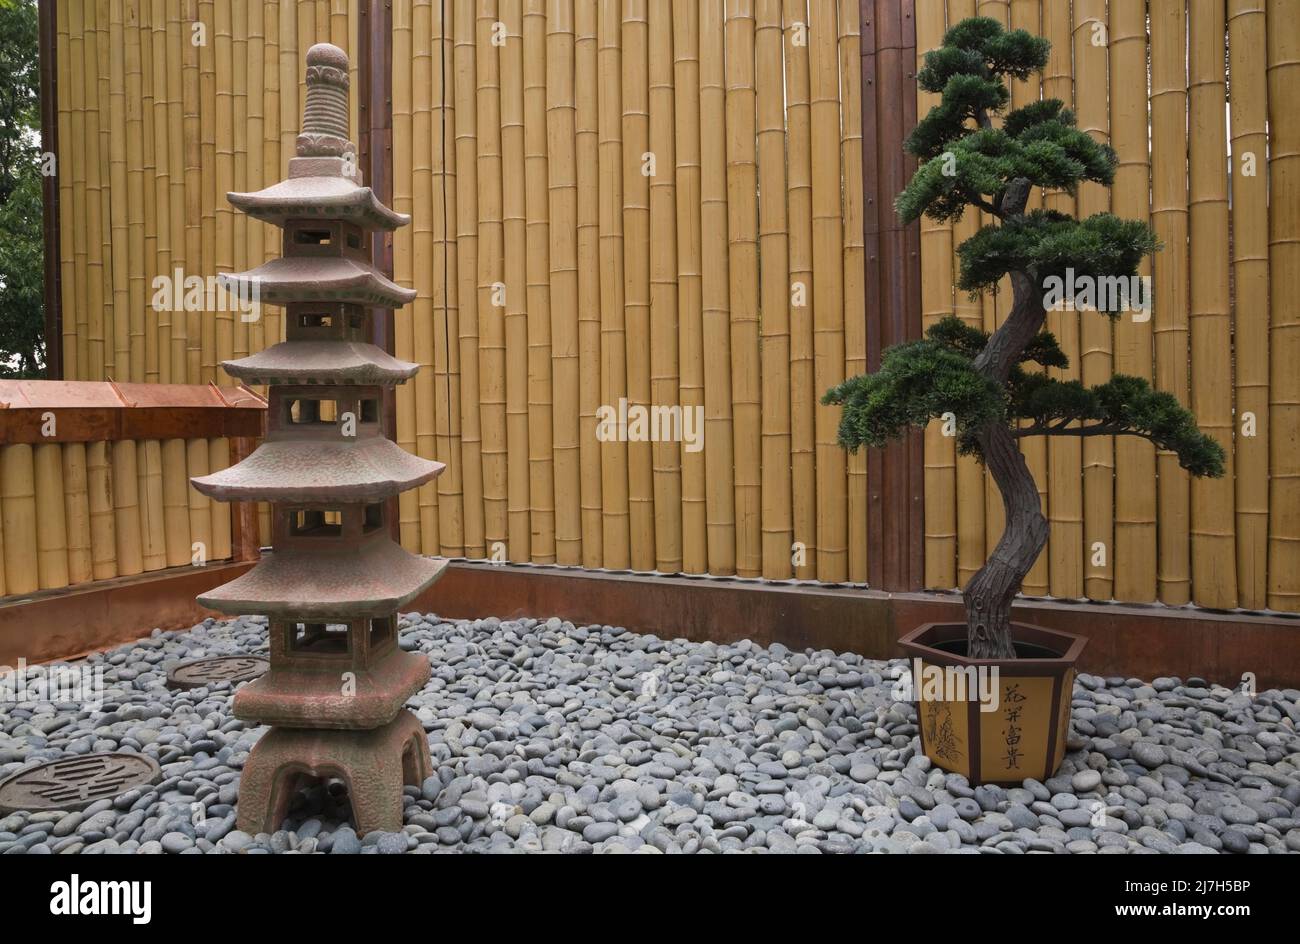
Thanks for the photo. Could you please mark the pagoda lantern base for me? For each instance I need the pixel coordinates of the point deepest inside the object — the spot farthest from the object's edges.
(374, 764)
(334, 579)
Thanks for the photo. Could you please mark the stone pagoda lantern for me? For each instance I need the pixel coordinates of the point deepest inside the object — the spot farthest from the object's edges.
(332, 585)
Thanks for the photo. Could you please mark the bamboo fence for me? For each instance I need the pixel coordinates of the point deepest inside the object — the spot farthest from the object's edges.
(1126, 522)
(623, 208)
(73, 512)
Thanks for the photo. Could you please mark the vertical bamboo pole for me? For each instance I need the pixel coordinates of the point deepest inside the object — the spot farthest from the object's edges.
(218, 459)
(224, 144)
(1064, 453)
(690, 326)
(1284, 289)
(613, 352)
(777, 521)
(193, 178)
(126, 508)
(345, 23)
(714, 288)
(119, 231)
(491, 284)
(208, 329)
(67, 252)
(104, 63)
(562, 184)
(742, 245)
(803, 396)
(424, 266)
(198, 504)
(855, 313)
(290, 79)
(152, 528)
(586, 121)
(471, 436)
(76, 499)
(176, 40)
(537, 235)
(451, 488)
(256, 233)
(1169, 218)
(1135, 459)
(664, 326)
(1214, 572)
(1249, 148)
(239, 222)
(307, 37)
(176, 503)
(74, 325)
(18, 514)
(51, 516)
(103, 527)
(403, 262)
(636, 275)
(828, 289)
(138, 291)
(971, 517)
(514, 222)
(92, 365)
(272, 318)
(1091, 69)
(161, 183)
(157, 316)
(936, 303)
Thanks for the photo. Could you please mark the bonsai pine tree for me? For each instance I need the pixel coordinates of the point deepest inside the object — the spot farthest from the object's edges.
(994, 385)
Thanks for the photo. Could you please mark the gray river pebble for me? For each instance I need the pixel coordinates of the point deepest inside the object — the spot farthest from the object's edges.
(546, 736)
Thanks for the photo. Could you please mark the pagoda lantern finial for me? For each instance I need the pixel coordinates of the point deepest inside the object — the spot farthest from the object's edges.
(325, 117)
(333, 582)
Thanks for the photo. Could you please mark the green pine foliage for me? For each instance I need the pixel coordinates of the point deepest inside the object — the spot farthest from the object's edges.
(968, 162)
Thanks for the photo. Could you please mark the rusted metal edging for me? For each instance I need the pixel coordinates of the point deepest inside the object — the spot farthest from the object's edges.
(1127, 640)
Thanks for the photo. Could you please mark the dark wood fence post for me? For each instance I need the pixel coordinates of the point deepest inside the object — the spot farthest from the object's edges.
(896, 475)
(375, 144)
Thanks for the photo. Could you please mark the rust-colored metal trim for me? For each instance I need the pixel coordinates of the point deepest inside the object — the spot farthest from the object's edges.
(62, 624)
(895, 475)
(1141, 641)
(48, 43)
(90, 411)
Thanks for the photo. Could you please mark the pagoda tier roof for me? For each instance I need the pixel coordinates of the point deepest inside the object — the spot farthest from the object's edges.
(319, 197)
(364, 579)
(321, 362)
(318, 278)
(365, 469)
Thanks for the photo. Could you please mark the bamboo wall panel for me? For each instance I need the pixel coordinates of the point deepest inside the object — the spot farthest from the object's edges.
(633, 220)
(622, 205)
(1218, 332)
(75, 512)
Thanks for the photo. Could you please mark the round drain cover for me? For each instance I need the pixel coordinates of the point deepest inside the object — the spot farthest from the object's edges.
(73, 783)
(215, 670)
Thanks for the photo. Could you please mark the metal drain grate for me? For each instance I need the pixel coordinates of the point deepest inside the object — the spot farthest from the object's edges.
(215, 670)
(73, 783)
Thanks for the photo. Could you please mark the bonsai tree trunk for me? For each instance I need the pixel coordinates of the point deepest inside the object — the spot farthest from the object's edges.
(989, 594)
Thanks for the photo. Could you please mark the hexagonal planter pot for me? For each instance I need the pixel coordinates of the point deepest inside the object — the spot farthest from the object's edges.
(993, 720)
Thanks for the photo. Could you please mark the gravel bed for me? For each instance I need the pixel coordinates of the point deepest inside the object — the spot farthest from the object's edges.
(551, 737)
